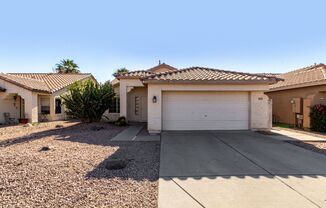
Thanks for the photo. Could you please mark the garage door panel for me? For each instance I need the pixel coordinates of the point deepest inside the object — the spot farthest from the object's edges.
(204, 125)
(205, 110)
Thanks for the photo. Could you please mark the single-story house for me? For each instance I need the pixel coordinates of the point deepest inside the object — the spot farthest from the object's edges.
(35, 96)
(195, 98)
(300, 90)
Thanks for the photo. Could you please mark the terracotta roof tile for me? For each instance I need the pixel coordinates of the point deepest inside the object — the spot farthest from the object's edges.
(209, 75)
(134, 74)
(44, 82)
(307, 76)
(163, 65)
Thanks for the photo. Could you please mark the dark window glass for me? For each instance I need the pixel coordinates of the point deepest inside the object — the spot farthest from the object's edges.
(115, 105)
(57, 106)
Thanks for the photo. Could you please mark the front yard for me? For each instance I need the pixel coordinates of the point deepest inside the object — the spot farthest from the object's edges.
(70, 171)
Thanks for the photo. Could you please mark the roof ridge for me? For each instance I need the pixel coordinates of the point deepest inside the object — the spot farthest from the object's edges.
(162, 65)
(306, 68)
(221, 70)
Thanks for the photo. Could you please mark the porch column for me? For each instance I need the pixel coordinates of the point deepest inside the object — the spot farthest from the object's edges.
(31, 107)
(123, 99)
(52, 108)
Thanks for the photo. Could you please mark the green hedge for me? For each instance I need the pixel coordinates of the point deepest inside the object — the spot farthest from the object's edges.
(318, 118)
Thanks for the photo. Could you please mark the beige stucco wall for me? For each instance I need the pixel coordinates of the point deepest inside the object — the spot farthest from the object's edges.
(282, 107)
(126, 85)
(30, 98)
(260, 111)
(32, 103)
(7, 105)
(259, 105)
(116, 90)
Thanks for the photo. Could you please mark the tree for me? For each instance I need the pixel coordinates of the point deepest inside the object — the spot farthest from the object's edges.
(67, 66)
(87, 100)
(122, 70)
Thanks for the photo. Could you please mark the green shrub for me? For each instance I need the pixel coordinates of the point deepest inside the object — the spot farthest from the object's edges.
(122, 121)
(87, 100)
(318, 118)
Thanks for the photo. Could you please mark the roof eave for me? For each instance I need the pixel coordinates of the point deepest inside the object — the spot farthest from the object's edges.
(23, 86)
(301, 85)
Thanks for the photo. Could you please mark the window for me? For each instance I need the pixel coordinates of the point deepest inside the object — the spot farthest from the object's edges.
(115, 105)
(137, 105)
(57, 106)
(45, 105)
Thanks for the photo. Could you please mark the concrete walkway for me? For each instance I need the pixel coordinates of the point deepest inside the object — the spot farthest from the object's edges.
(288, 135)
(131, 134)
(238, 169)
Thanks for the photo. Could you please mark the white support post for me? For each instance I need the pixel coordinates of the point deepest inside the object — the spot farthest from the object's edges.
(31, 108)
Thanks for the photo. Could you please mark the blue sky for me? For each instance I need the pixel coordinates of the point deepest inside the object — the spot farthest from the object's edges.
(101, 36)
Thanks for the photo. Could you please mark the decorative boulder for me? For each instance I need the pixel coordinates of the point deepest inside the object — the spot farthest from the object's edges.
(45, 148)
(27, 125)
(116, 164)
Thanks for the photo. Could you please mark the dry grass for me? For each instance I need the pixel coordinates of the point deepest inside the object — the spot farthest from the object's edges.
(72, 173)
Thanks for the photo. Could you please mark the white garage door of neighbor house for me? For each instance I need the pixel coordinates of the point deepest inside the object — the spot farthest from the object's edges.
(205, 110)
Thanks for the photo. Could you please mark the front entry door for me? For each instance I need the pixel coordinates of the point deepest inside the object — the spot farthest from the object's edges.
(137, 108)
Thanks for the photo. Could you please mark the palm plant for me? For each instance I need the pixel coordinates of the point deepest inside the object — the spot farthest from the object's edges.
(67, 66)
(122, 70)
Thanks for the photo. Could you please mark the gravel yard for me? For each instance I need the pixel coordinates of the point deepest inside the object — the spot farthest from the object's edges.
(319, 147)
(72, 172)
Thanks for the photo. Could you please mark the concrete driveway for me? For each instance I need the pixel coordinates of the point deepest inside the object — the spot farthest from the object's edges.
(238, 169)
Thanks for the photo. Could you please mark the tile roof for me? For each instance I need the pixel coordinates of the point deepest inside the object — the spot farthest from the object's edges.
(148, 72)
(163, 65)
(135, 74)
(209, 75)
(43, 82)
(307, 76)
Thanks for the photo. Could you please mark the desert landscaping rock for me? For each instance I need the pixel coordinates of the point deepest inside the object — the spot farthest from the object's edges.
(74, 175)
(319, 147)
(45, 148)
(116, 164)
(97, 128)
(28, 125)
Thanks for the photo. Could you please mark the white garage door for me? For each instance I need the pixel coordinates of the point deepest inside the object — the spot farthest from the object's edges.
(205, 110)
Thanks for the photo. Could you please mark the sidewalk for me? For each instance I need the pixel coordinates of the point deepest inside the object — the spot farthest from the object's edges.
(132, 134)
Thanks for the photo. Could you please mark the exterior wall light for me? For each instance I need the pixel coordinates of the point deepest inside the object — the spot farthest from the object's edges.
(154, 100)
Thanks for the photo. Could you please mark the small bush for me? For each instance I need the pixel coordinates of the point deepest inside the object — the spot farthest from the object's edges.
(122, 121)
(318, 118)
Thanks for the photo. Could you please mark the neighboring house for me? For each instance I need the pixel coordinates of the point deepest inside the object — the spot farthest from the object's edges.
(195, 98)
(35, 96)
(300, 90)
